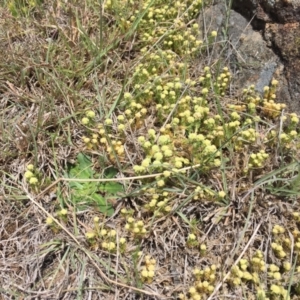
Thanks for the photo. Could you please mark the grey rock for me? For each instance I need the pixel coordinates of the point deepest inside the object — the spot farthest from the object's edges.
(266, 76)
(250, 57)
(246, 51)
(279, 23)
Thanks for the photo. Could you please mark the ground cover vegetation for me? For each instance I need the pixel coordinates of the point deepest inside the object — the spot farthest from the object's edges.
(130, 167)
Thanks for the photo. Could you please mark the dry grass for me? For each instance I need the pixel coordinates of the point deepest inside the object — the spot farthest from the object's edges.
(56, 61)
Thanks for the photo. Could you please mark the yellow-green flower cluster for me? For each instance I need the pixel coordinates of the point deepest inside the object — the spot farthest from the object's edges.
(108, 239)
(63, 214)
(192, 240)
(113, 145)
(274, 272)
(288, 138)
(91, 142)
(294, 120)
(204, 283)
(257, 262)
(122, 11)
(160, 156)
(51, 223)
(136, 110)
(101, 135)
(240, 272)
(223, 81)
(270, 91)
(251, 97)
(88, 118)
(31, 175)
(183, 39)
(237, 107)
(277, 291)
(148, 270)
(278, 250)
(202, 249)
(278, 247)
(158, 202)
(245, 137)
(277, 229)
(202, 193)
(296, 216)
(257, 160)
(178, 12)
(205, 81)
(150, 86)
(272, 109)
(105, 237)
(137, 228)
(281, 244)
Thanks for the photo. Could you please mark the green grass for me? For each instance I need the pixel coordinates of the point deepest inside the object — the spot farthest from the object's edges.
(120, 140)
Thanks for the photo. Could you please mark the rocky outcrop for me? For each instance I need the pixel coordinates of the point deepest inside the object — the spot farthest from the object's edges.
(279, 23)
(263, 43)
(276, 11)
(285, 39)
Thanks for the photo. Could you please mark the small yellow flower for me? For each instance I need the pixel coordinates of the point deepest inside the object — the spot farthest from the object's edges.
(111, 246)
(85, 121)
(144, 273)
(121, 127)
(90, 235)
(221, 194)
(86, 140)
(167, 173)
(108, 122)
(202, 247)
(204, 91)
(192, 290)
(127, 95)
(90, 114)
(112, 233)
(151, 273)
(275, 289)
(33, 180)
(28, 174)
(136, 230)
(63, 212)
(30, 167)
(130, 220)
(277, 275)
(191, 237)
(140, 223)
(49, 221)
(160, 183)
(214, 33)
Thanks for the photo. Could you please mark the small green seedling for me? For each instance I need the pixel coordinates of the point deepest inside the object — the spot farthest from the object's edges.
(86, 194)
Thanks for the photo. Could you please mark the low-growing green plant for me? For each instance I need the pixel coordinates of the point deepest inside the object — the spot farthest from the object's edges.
(89, 193)
(202, 159)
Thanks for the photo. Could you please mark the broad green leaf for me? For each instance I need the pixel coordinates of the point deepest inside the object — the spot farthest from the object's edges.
(85, 194)
(111, 187)
(110, 172)
(102, 204)
(82, 170)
